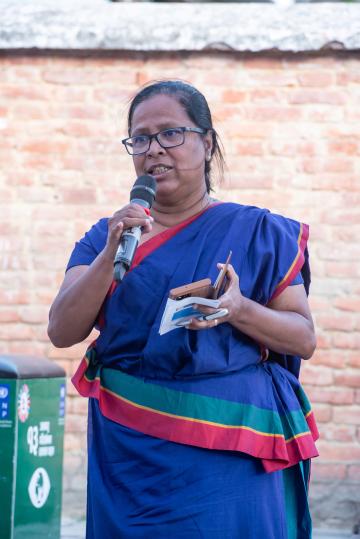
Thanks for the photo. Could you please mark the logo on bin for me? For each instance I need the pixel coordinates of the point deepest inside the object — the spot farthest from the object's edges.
(4, 402)
(4, 392)
(23, 403)
(39, 487)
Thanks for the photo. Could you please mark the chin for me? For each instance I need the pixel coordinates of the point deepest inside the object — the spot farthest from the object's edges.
(165, 189)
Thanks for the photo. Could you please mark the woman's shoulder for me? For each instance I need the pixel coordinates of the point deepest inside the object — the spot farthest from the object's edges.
(256, 214)
(97, 234)
(242, 211)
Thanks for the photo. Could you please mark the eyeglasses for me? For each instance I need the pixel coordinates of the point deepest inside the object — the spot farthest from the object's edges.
(168, 138)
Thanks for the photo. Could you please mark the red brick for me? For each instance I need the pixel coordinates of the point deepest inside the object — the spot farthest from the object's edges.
(331, 358)
(304, 96)
(319, 79)
(347, 77)
(70, 76)
(273, 113)
(73, 442)
(113, 94)
(350, 415)
(30, 112)
(34, 314)
(276, 79)
(250, 148)
(341, 269)
(323, 341)
(347, 146)
(322, 412)
(37, 161)
(339, 433)
(329, 165)
(244, 181)
(18, 332)
(345, 234)
(8, 315)
(263, 63)
(317, 375)
(339, 217)
(335, 322)
(348, 304)
(348, 378)
(318, 303)
(347, 341)
(233, 96)
(265, 96)
(327, 472)
(330, 395)
(24, 91)
(14, 297)
(45, 146)
(354, 359)
(26, 348)
(76, 423)
(77, 405)
(330, 451)
(79, 196)
(75, 352)
(78, 128)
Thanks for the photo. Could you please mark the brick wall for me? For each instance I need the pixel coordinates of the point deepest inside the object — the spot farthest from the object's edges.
(290, 127)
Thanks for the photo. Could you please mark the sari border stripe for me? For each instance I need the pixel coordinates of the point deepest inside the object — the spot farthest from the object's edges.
(191, 419)
(180, 430)
(297, 262)
(153, 243)
(276, 451)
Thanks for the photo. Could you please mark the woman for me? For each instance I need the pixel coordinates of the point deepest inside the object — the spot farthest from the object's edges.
(199, 432)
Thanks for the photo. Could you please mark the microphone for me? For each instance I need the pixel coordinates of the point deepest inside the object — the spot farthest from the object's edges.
(143, 193)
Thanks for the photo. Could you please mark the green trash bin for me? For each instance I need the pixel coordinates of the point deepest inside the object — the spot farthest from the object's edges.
(32, 414)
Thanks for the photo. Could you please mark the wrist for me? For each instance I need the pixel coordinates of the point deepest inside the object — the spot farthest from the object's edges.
(106, 259)
(242, 312)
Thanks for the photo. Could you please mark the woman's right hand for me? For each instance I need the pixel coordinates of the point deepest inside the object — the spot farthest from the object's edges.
(129, 216)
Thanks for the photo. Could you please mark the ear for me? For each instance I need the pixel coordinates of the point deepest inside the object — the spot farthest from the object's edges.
(208, 143)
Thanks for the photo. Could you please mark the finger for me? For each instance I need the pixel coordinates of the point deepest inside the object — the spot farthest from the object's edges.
(129, 222)
(116, 232)
(140, 210)
(133, 211)
(197, 324)
(232, 278)
(204, 309)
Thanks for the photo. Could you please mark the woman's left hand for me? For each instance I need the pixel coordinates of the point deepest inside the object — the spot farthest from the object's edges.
(232, 300)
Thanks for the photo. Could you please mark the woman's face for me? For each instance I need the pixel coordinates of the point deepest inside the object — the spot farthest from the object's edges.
(179, 171)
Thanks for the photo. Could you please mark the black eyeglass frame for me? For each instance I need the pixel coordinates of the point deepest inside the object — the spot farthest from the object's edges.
(200, 130)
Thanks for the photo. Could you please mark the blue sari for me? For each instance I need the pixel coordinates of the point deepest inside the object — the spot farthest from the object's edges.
(185, 428)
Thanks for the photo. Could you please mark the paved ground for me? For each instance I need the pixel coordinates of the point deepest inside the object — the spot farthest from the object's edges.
(75, 529)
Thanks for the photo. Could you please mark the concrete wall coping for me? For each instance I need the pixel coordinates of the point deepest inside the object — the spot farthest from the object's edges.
(101, 25)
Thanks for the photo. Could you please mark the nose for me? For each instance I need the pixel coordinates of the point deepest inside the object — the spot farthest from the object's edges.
(156, 147)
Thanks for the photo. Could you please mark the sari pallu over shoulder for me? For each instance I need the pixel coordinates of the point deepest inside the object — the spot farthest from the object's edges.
(189, 387)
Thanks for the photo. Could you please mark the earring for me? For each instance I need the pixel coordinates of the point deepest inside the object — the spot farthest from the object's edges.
(208, 156)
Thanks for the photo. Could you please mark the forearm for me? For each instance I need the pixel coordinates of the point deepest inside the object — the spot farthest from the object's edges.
(281, 331)
(75, 309)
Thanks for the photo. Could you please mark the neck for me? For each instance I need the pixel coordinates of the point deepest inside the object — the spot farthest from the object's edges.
(169, 216)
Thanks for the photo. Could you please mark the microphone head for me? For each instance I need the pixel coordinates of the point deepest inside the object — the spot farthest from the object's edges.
(144, 190)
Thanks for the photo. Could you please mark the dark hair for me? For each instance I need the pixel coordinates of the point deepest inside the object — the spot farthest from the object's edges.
(195, 106)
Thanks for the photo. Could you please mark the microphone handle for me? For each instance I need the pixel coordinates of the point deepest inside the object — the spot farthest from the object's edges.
(126, 251)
